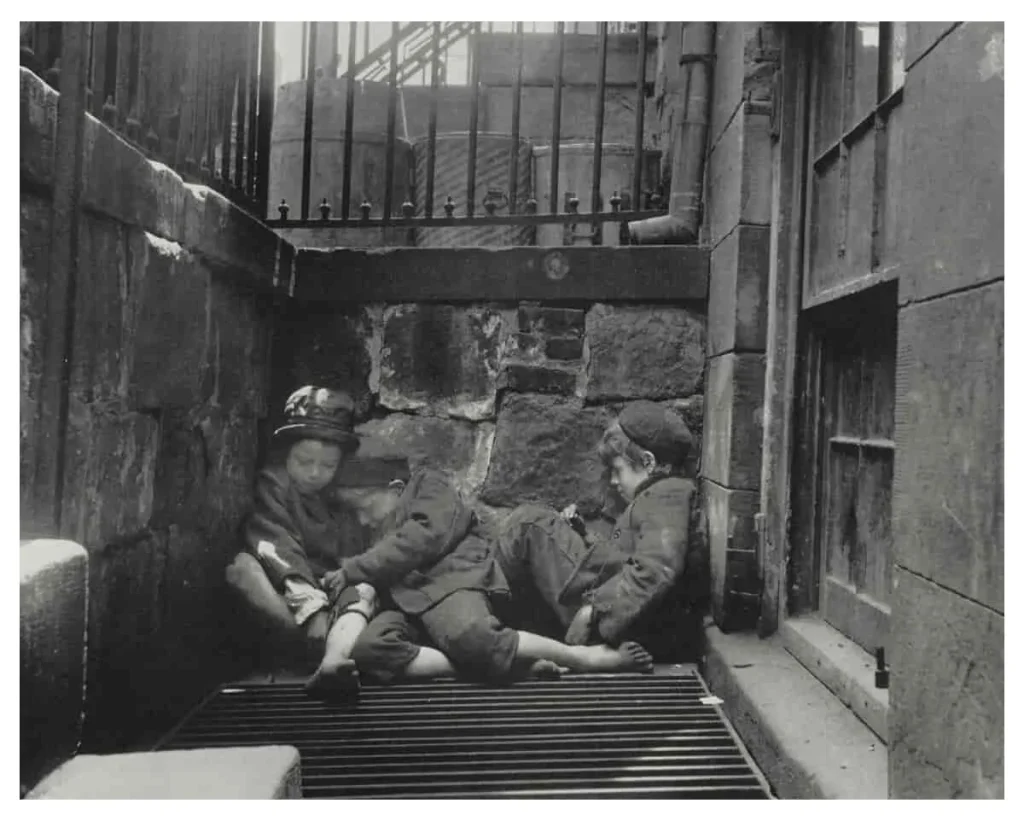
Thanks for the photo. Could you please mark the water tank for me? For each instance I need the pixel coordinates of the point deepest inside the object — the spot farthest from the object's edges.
(493, 156)
(576, 175)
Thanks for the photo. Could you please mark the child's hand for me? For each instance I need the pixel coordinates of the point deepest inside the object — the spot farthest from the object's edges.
(579, 630)
(569, 513)
(334, 582)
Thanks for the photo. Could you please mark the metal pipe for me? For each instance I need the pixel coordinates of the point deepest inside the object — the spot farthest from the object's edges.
(228, 56)
(517, 88)
(638, 138)
(241, 75)
(435, 67)
(474, 115)
(266, 114)
(556, 117)
(307, 128)
(682, 223)
(595, 190)
(350, 91)
(253, 104)
(389, 162)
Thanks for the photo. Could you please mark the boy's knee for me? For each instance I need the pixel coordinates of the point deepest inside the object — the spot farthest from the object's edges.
(484, 649)
(385, 647)
(244, 567)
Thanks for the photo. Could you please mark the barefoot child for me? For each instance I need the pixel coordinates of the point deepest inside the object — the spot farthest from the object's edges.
(298, 533)
(449, 600)
(638, 585)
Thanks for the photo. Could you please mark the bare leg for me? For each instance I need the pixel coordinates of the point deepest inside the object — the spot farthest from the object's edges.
(594, 658)
(337, 672)
(429, 663)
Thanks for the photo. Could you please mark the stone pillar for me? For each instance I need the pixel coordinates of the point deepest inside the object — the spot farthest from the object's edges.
(737, 229)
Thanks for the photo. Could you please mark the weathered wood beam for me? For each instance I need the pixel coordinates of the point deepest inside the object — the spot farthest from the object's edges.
(570, 274)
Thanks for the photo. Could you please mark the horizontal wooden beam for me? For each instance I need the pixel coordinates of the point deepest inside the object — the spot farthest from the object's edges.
(571, 274)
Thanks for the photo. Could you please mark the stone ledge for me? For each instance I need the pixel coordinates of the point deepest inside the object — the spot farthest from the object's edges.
(806, 742)
(842, 666)
(239, 773)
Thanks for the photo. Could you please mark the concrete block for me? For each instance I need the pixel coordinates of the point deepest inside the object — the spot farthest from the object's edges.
(545, 450)
(948, 478)
(738, 291)
(946, 694)
(734, 420)
(233, 773)
(53, 630)
(952, 214)
(106, 453)
(921, 36)
(732, 547)
(440, 358)
(806, 741)
(642, 351)
(453, 445)
(740, 175)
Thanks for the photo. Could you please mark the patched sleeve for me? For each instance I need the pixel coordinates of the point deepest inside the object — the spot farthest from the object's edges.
(660, 521)
(419, 542)
(271, 535)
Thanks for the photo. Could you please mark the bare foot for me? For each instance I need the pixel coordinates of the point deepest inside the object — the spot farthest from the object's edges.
(544, 669)
(601, 658)
(335, 681)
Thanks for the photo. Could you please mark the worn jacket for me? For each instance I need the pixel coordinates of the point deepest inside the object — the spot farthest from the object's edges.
(432, 547)
(647, 559)
(310, 534)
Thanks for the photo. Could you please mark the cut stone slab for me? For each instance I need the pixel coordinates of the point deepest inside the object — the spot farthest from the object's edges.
(239, 773)
(53, 630)
(806, 741)
(734, 420)
(644, 351)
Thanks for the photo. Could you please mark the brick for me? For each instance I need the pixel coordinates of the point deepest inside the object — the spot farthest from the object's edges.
(525, 378)
(441, 358)
(545, 451)
(536, 319)
(946, 694)
(642, 351)
(53, 631)
(740, 176)
(951, 214)
(733, 430)
(948, 478)
(738, 292)
(565, 348)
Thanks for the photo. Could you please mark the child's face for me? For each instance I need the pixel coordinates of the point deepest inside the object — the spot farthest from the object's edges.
(373, 505)
(311, 464)
(626, 477)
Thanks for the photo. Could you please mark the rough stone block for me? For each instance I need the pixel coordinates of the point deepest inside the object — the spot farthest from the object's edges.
(38, 128)
(53, 630)
(538, 319)
(460, 448)
(440, 358)
(948, 478)
(732, 545)
(952, 214)
(523, 347)
(168, 324)
(107, 453)
(946, 699)
(238, 773)
(565, 348)
(643, 351)
(238, 350)
(921, 36)
(230, 446)
(545, 450)
(734, 421)
(737, 301)
(524, 378)
(740, 175)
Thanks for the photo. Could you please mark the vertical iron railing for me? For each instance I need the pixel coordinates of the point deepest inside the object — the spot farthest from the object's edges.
(405, 55)
(196, 96)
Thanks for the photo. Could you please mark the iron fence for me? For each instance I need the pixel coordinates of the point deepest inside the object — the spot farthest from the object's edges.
(197, 97)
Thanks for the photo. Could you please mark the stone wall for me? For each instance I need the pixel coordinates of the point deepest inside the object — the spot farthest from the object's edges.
(169, 376)
(511, 398)
(946, 699)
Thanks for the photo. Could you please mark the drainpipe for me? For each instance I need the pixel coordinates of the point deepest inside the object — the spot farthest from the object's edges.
(682, 223)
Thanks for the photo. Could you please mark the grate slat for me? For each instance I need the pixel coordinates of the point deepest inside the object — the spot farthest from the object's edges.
(628, 736)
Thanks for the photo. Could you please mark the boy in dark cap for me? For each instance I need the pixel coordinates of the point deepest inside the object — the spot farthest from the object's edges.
(298, 532)
(640, 584)
(437, 571)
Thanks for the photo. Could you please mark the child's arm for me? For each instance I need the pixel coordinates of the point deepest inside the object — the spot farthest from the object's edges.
(272, 537)
(420, 542)
(661, 522)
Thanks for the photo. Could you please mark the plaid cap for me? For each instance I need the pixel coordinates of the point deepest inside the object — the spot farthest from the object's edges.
(658, 430)
(320, 413)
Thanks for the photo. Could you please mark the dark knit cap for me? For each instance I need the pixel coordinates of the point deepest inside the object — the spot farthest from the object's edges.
(320, 413)
(372, 471)
(658, 430)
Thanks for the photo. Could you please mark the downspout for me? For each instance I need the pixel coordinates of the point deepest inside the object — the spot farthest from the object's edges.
(682, 223)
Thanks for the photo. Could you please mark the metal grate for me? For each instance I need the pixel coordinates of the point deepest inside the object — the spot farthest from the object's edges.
(612, 736)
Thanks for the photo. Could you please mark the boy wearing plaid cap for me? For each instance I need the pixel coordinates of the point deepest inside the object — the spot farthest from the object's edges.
(642, 584)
